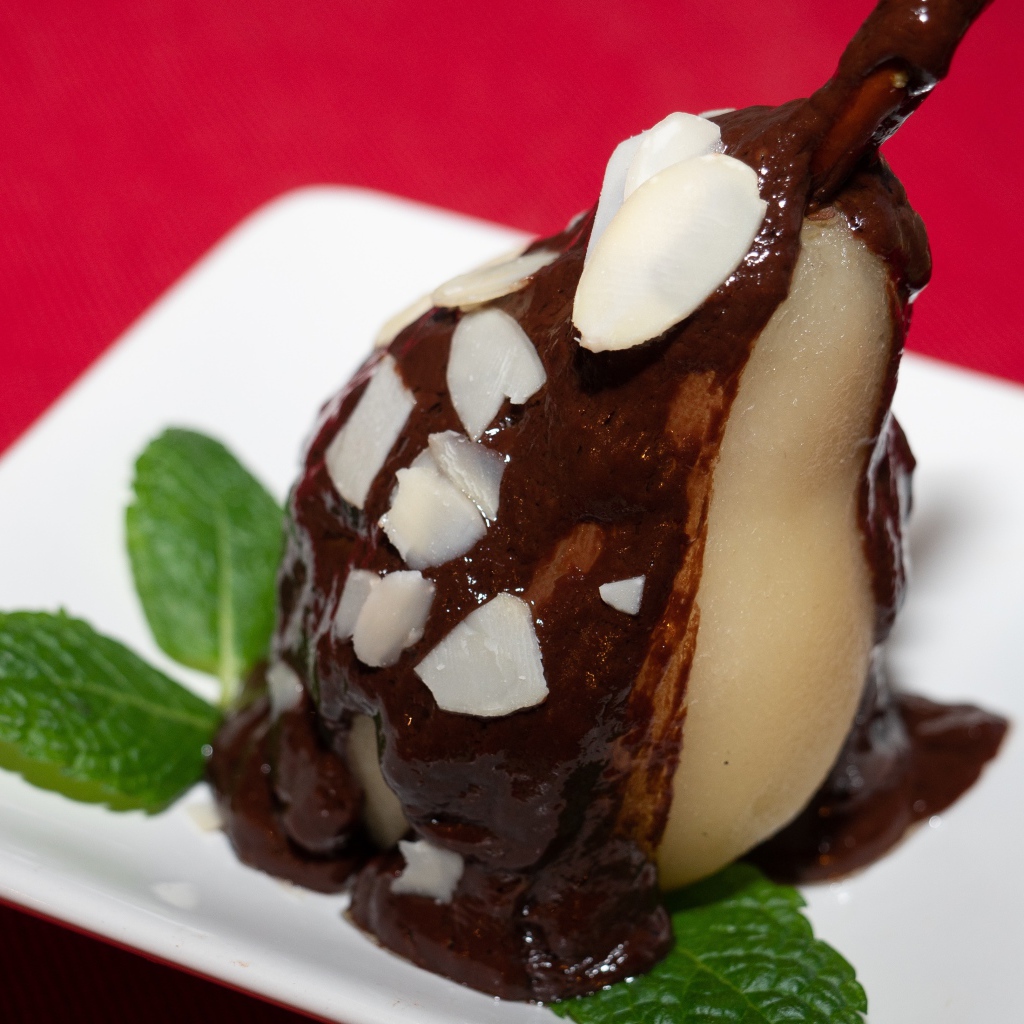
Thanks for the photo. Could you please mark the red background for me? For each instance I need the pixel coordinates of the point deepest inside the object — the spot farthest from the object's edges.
(134, 134)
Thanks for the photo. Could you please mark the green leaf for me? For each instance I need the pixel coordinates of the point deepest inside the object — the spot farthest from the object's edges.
(81, 714)
(744, 954)
(205, 540)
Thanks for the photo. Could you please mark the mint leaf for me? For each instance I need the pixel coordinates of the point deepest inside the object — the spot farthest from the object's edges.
(744, 954)
(204, 539)
(81, 714)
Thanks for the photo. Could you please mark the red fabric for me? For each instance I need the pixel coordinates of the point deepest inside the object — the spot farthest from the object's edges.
(134, 134)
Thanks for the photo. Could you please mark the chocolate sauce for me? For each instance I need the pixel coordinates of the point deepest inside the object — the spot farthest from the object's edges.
(305, 827)
(905, 759)
(557, 810)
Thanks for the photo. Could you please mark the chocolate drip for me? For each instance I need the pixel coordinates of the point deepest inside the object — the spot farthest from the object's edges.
(557, 810)
(287, 801)
(905, 759)
(883, 510)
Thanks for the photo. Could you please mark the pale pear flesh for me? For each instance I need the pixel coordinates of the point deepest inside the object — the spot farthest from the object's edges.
(382, 810)
(785, 600)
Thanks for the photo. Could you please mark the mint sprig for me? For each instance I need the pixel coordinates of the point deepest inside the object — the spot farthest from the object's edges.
(205, 540)
(744, 954)
(83, 715)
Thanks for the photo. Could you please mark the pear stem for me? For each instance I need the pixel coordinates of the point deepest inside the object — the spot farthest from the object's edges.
(897, 57)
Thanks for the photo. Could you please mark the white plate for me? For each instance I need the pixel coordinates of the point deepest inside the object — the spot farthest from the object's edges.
(245, 347)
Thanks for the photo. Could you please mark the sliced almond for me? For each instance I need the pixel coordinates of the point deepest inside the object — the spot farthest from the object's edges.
(430, 871)
(623, 595)
(425, 460)
(394, 325)
(357, 453)
(612, 188)
(430, 520)
(205, 816)
(284, 688)
(677, 138)
(575, 220)
(491, 359)
(474, 469)
(490, 664)
(676, 239)
(392, 617)
(491, 281)
(357, 589)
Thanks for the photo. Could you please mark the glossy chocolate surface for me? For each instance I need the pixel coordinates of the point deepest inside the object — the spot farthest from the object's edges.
(557, 810)
(905, 759)
(287, 800)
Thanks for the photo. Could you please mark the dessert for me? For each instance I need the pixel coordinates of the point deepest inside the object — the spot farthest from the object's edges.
(589, 565)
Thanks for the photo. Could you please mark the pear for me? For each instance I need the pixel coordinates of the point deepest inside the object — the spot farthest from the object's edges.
(785, 603)
(785, 607)
(785, 600)
(586, 572)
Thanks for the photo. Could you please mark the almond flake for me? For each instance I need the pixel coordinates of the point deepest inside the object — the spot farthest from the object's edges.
(425, 460)
(357, 589)
(623, 595)
(474, 469)
(180, 895)
(489, 664)
(612, 188)
(357, 453)
(677, 138)
(284, 688)
(677, 238)
(673, 139)
(205, 816)
(491, 359)
(430, 871)
(492, 280)
(394, 325)
(575, 220)
(392, 617)
(430, 521)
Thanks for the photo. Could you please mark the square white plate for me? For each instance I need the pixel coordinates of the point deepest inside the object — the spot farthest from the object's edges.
(246, 347)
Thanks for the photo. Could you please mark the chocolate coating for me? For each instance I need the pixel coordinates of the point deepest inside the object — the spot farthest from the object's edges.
(287, 800)
(557, 810)
(905, 759)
